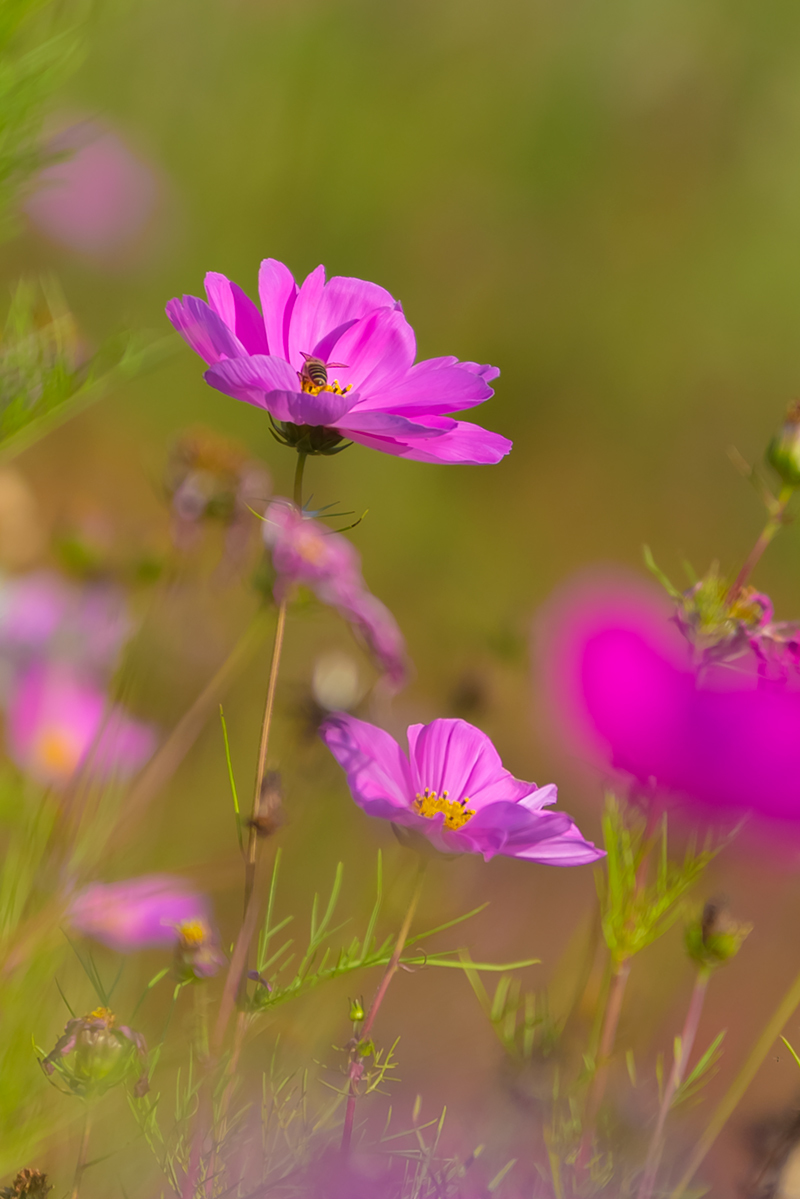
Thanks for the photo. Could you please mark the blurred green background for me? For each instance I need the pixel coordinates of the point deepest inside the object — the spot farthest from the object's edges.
(603, 200)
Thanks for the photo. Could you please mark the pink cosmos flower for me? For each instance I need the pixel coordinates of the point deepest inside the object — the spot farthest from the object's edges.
(99, 198)
(452, 789)
(58, 721)
(152, 910)
(335, 360)
(628, 695)
(304, 551)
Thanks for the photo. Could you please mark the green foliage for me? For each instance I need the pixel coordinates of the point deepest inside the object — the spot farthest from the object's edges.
(44, 378)
(700, 1074)
(521, 1019)
(39, 49)
(317, 965)
(636, 912)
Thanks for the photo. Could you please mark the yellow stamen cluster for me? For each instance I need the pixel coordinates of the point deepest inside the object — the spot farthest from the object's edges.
(193, 933)
(102, 1013)
(57, 751)
(314, 389)
(455, 811)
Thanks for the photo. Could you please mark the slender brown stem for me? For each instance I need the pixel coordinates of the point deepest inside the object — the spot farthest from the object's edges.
(356, 1068)
(83, 1152)
(616, 992)
(269, 707)
(765, 537)
(682, 1055)
(741, 1082)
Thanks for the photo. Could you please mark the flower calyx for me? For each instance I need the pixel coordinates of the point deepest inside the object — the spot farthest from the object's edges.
(309, 439)
(95, 1053)
(29, 1183)
(783, 451)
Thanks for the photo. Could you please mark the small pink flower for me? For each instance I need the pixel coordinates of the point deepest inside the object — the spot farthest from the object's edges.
(452, 789)
(58, 721)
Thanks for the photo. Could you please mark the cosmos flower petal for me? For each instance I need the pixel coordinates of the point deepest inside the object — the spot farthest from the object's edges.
(460, 442)
(429, 388)
(203, 330)
(377, 769)
(344, 301)
(377, 351)
(304, 330)
(238, 312)
(565, 848)
(385, 424)
(277, 291)
(325, 408)
(261, 380)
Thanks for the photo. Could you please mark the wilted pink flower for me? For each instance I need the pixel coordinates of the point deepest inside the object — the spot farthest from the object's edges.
(305, 552)
(99, 198)
(57, 721)
(453, 790)
(622, 681)
(95, 1053)
(335, 360)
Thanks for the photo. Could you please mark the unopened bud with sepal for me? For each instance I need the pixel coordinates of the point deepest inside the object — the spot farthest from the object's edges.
(714, 936)
(783, 452)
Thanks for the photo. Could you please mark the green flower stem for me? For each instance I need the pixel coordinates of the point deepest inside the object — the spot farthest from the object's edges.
(298, 478)
(772, 526)
(616, 993)
(740, 1084)
(356, 1065)
(687, 1039)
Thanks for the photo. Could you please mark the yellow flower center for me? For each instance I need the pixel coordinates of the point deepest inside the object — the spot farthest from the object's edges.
(193, 932)
(57, 751)
(313, 389)
(102, 1013)
(455, 811)
(310, 546)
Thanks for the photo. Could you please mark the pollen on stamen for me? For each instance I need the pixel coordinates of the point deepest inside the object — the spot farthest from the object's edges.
(455, 812)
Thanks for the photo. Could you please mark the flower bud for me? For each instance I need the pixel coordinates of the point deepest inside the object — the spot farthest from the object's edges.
(714, 936)
(783, 452)
(356, 1010)
(95, 1054)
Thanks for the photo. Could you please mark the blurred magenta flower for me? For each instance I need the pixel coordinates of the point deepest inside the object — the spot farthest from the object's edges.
(99, 198)
(138, 913)
(453, 790)
(305, 552)
(57, 721)
(283, 361)
(629, 694)
(43, 613)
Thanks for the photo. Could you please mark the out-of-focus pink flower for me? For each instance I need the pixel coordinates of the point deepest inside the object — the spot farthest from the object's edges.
(139, 912)
(42, 614)
(99, 199)
(621, 681)
(453, 790)
(58, 721)
(282, 360)
(305, 552)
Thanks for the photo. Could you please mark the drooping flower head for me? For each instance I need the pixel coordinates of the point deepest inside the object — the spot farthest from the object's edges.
(335, 360)
(452, 789)
(59, 721)
(305, 552)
